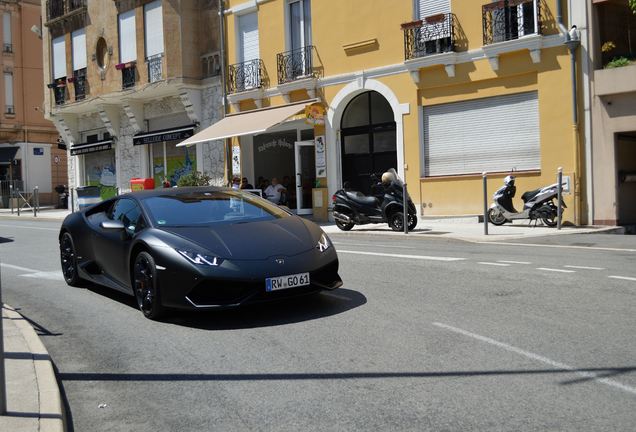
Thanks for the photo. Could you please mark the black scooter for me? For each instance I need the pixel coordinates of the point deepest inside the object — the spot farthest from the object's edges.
(386, 205)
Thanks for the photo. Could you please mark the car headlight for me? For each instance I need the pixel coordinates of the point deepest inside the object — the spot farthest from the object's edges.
(200, 259)
(323, 243)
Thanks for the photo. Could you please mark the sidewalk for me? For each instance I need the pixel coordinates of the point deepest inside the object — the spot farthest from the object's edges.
(33, 395)
(45, 213)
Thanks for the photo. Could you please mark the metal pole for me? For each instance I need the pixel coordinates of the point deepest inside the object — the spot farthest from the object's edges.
(3, 382)
(72, 200)
(11, 196)
(35, 197)
(485, 181)
(405, 198)
(559, 195)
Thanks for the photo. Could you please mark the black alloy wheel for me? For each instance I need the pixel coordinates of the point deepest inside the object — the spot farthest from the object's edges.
(68, 259)
(412, 222)
(344, 226)
(145, 286)
(550, 221)
(396, 221)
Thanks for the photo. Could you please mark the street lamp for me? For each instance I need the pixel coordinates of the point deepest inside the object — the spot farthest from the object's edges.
(573, 41)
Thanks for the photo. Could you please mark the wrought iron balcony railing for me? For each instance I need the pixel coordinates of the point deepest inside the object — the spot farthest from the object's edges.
(296, 64)
(9, 109)
(79, 82)
(245, 76)
(76, 4)
(155, 72)
(510, 19)
(59, 90)
(128, 77)
(60, 8)
(432, 35)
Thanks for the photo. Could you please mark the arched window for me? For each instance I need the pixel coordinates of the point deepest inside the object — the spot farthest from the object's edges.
(368, 140)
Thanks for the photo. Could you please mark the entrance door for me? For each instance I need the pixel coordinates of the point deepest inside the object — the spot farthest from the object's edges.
(305, 176)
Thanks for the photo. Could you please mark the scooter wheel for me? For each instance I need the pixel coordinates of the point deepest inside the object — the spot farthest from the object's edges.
(396, 221)
(412, 222)
(345, 226)
(496, 218)
(551, 221)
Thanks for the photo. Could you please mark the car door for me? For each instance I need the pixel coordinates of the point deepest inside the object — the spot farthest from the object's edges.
(114, 244)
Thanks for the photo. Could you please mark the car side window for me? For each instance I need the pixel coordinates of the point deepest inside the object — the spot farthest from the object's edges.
(129, 212)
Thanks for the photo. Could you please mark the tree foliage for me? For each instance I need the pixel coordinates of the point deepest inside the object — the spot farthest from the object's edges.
(195, 178)
(632, 5)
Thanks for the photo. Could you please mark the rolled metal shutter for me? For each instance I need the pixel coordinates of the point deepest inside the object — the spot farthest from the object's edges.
(433, 7)
(78, 39)
(248, 34)
(59, 57)
(127, 37)
(494, 134)
(153, 18)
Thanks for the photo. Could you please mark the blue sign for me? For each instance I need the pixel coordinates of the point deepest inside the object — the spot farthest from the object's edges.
(38, 151)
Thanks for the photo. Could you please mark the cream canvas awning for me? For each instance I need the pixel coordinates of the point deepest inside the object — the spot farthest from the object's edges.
(247, 123)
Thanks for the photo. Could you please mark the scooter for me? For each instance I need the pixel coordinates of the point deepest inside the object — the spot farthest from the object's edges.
(385, 206)
(537, 204)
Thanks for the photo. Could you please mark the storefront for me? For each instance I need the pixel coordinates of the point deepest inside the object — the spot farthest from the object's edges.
(97, 163)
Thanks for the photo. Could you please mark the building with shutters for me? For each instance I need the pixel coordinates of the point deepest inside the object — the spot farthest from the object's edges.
(129, 79)
(442, 90)
(29, 156)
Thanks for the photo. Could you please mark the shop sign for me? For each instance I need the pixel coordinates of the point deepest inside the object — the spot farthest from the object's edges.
(321, 160)
(81, 149)
(178, 134)
(315, 114)
(38, 151)
(275, 143)
(236, 160)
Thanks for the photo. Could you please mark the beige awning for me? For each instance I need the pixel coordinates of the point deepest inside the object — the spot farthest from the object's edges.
(247, 123)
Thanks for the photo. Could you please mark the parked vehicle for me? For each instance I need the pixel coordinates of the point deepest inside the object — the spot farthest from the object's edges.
(537, 204)
(386, 205)
(196, 248)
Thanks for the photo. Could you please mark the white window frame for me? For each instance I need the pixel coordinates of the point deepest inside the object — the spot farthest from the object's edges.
(288, 36)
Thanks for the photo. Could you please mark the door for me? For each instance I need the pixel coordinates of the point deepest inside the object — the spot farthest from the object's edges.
(300, 38)
(305, 176)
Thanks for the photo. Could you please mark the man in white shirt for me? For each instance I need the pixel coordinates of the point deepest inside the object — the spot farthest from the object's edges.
(273, 191)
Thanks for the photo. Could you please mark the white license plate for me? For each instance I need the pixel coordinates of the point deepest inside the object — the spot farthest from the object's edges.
(284, 282)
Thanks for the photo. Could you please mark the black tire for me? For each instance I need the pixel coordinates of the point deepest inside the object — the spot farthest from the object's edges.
(145, 286)
(412, 222)
(344, 226)
(551, 221)
(68, 260)
(396, 221)
(496, 219)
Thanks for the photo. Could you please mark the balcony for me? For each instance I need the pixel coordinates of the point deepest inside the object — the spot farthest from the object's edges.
(7, 48)
(295, 65)
(211, 64)
(61, 10)
(432, 35)
(155, 72)
(508, 20)
(79, 83)
(9, 109)
(245, 76)
(59, 90)
(128, 77)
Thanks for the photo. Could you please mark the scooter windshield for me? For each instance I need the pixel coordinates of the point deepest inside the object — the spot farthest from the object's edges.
(398, 181)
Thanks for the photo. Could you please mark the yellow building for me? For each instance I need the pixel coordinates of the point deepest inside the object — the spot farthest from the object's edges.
(442, 90)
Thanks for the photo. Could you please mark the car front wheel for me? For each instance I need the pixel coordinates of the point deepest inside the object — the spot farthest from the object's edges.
(68, 259)
(146, 286)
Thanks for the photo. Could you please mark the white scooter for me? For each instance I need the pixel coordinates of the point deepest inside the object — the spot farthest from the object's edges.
(538, 204)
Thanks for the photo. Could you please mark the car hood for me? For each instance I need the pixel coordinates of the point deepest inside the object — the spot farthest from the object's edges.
(250, 240)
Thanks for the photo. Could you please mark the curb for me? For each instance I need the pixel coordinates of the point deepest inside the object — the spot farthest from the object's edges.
(31, 218)
(50, 401)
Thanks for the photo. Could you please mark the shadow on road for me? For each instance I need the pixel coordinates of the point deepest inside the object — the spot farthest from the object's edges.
(6, 240)
(283, 312)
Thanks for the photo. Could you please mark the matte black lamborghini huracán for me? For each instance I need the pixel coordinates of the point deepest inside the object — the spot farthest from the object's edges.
(196, 248)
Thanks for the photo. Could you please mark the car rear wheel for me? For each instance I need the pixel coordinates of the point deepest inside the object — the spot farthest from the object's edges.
(146, 287)
(68, 259)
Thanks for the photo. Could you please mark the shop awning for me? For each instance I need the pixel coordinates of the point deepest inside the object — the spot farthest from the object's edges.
(80, 149)
(172, 134)
(7, 154)
(247, 123)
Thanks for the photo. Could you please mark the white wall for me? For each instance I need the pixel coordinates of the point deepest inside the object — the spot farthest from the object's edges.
(36, 168)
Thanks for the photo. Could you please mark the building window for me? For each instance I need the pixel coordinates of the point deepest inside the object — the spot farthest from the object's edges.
(299, 24)
(8, 93)
(78, 39)
(59, 70)
(6, 33)
(153, 34)
(427, 8)
(127, 37)
(170, 162)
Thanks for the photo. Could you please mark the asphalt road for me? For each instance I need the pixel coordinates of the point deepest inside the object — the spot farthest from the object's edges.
(426, 334)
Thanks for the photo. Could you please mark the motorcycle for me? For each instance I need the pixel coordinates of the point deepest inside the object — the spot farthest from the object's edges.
(537, 204)
(386, 205)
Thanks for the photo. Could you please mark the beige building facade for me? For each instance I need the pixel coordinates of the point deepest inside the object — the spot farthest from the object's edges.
(127, 80)
(29, 154)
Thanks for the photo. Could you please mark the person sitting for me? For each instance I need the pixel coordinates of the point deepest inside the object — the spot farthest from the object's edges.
(274, 191)
(246, 184)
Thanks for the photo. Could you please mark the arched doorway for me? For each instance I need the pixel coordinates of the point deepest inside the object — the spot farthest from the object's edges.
(368, 136)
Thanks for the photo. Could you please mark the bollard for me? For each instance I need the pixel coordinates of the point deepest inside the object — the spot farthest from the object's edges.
(485, 180)
(406, 209)
(34, 199)
(11, 197)
(70, 192)
(559, 196)
(3, 382)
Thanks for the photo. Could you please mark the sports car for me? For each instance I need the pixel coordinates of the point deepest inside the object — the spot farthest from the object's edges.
(196, 248)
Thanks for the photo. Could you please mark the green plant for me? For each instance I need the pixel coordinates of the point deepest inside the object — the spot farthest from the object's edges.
(618, 62)
(608, 46)
(632, 5)
(195, 178)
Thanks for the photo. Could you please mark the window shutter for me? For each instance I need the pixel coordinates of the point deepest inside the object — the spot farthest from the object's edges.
(493, 134)
(248, 34)
(79, 49)
(127, 37)
(153, 28)
(433, 7)
(8, 89)
(59, 57)
(6, 28)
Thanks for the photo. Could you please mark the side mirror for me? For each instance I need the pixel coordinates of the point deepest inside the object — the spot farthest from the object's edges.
(112, 225)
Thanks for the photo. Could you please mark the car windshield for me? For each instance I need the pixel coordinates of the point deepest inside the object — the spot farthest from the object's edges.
(210, 207)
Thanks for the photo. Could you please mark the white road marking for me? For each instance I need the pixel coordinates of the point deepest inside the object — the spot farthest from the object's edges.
(500, 264)
(557, 246)
(623, 278)
(15, 267)
(29, 227)
(538, 358)
(420, 257)
(584, 267)
(374, 245)
(515, 262)
(340, 297)
(555, 270)
(51, 275)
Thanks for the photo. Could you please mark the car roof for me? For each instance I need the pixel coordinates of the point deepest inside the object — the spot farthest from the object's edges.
(143, 194)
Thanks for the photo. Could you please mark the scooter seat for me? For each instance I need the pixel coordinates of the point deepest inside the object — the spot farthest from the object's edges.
(530, 194)
(360, 198)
